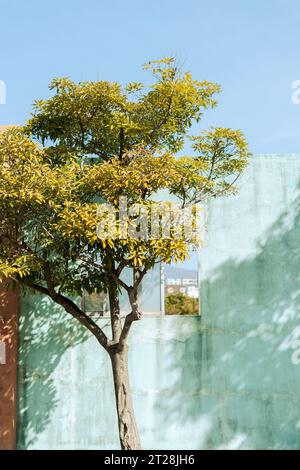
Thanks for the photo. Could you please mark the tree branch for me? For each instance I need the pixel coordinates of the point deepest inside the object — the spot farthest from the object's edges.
(119, 281)
(130, 318)
(70, 307)
(134, 315)
(122, 139)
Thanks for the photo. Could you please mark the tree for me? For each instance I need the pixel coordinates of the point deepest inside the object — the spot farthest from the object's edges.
(181, 304)
(68, 172)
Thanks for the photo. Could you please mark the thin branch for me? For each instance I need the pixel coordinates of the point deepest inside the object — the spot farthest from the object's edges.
(130, 318)
(235, 179)
(121, 266)
(119, 281)
(73, 309)
(134, 315)
(33, 286)
(165, 118)
(139, 277)
(122, 139)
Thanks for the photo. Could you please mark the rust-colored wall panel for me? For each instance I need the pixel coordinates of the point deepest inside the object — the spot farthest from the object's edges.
(9, 316)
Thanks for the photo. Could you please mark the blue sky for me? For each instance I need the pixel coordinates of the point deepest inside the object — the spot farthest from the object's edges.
(250, 47)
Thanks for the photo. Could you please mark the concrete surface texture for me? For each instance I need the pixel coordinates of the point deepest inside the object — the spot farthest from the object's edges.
(227, 379)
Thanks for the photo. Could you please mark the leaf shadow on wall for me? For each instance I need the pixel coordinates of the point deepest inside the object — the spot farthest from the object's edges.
(46, 332)
(237, 386)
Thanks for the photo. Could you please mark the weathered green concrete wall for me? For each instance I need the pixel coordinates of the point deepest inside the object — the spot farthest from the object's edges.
(251, 309)
(226, 380)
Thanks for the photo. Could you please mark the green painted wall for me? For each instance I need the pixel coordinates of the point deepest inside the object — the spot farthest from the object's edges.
(226, 380)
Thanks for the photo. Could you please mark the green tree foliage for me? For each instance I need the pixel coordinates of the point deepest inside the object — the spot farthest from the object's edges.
(96, 142)
(181, 304)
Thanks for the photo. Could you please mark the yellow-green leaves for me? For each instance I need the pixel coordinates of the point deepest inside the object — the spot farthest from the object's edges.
(133, 87)
(223, 145)
(23, 170)
(225, 153)
(103, 119)
(101, 142)
(138, 175)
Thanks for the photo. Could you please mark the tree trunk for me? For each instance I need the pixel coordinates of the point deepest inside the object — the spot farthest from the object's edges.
(128, 432)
